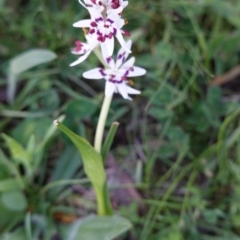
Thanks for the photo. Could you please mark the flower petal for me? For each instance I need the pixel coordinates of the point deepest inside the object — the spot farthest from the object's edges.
(109, 88)
(137, 71)
(109, 60)
(109, 43)
(95, 73)
(122, 54)
(104, 50)
(121, 41)
(81, 59)
(132, 90)
(83, 23)
(129, 63)
(83, 48)
(83, 4)
(122, 88)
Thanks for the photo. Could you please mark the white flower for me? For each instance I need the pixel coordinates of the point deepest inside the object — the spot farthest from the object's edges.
(116, 76)
(83, 49)
(103, 30)
(110, 6)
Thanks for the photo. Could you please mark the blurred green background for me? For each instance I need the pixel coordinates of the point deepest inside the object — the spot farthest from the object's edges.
(174, 167)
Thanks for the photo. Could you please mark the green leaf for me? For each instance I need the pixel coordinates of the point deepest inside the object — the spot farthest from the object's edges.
(7, 185)
(18, 153)
(95, 228)
(14, 200)
(9, 218)
(214, 99)
(63, 170)
(108, 142)
(164, 51)
(16, 235)
(160, 113)
(80, 109)
(30, 59)
(93, 167)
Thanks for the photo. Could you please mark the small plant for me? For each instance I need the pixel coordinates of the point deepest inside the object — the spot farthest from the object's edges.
(101, 30)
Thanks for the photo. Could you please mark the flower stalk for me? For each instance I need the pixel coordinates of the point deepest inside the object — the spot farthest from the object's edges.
(104, 25)
(101, 123)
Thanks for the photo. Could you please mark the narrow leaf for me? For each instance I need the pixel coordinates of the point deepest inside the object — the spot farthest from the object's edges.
(30, 59)
(16, 149)
(108, 142)
(93, 166)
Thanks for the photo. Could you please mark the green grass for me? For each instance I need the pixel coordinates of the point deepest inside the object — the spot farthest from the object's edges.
(179, 141)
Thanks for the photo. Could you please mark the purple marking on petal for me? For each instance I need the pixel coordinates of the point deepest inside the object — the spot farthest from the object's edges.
(115, 4)
(101, 38)
(115, 81)
(120, 56)
(108, 59)
(99, 19)
(102, 72)
(126, 73)
(109, 35)
(93, 24)
(124, 78)
(114, 31)
(109, 20)
(79, 46)
(99, 33)
(91, 31)
(131, 69)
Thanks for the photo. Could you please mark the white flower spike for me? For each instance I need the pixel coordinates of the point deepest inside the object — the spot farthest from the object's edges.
(116, 76)
(104, 30)
(110, 6)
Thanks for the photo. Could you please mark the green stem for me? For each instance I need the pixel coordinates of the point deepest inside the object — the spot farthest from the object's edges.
(103, 201)
(101, 123)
